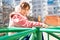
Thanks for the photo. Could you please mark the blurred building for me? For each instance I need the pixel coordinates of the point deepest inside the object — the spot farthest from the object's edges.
(45, 7)
(39, 7)
(57, 7)
(54, 7)
(5, 9)
(50, 7)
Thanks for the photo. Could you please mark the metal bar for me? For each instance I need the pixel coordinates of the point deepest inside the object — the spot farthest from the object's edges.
(33, 36)
(49, 30)
(18, 35)
(48, 36)
(54, 27)
(14, 29)
(38, 33)
(53, 35)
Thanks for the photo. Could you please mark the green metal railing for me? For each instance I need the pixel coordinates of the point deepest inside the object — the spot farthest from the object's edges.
(36, 33)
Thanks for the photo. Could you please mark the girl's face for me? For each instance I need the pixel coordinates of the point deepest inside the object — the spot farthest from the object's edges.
(25, 11)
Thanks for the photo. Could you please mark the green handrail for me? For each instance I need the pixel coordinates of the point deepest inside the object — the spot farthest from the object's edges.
(25, 31)
(49, 30)
(20, 34)
(14, 29)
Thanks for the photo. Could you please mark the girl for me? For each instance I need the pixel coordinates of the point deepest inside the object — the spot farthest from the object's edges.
(19, 19)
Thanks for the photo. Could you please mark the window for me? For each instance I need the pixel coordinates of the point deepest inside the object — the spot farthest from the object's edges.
(17, 0)
(39, 9)
(34, 10)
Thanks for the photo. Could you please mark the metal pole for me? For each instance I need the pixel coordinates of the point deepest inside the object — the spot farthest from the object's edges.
(48, 36)
(38, 33)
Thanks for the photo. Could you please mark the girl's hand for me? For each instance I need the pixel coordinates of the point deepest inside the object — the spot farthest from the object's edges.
(44, 25)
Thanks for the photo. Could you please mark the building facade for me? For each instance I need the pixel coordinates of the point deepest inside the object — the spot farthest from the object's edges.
(39, 7)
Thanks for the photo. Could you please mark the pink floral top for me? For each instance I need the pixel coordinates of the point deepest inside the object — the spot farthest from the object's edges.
(18, 20)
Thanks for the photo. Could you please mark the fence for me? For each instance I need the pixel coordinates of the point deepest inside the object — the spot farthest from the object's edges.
(35, 32)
